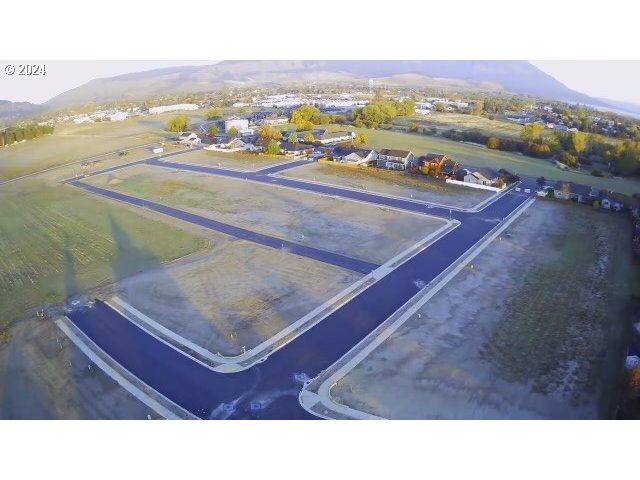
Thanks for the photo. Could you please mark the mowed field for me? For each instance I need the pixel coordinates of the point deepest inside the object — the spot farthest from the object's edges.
(56, 241)
(458, 121)
(532, 329)
(235, 160)
(479, 156)
(401, 184)
(72, 142)
(357, 230)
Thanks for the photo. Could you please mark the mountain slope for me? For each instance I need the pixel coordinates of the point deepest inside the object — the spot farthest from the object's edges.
(515, 76)
(14, 111)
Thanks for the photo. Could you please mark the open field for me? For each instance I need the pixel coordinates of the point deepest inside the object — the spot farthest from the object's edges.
(532, 329)
(236, 160)
(458, 121)
(353, 229)
(72, 142)
(57, 241)
(479, 156)
(239, 294)
(389, 182)
(45, 376)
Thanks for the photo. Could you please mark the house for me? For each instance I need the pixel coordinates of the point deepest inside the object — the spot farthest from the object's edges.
(188, 138)
(295, 149)
(572, 191)
(275, 120)
(483, 176)
(173, 108)
(358, 156)
(235, 122)
(118, 116)
(437, 164)
(322, 136)
(618, 201)
(395, 159)
(231, 144)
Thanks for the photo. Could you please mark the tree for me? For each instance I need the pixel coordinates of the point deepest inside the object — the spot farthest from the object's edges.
(440, 107)
(267, 132)
(214, 112)
(413, 127)
(500, 183)
(531, 132)
(232, 132)
(212, 130)
(305, 117)
(493, 143)
(579, 142)
(568, 159)
(273, 148)
(478, 108)
(360, 139)
(308, 137)
(541, 181)
(179, 123)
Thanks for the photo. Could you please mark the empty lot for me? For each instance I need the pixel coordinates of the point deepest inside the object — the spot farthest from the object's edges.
(533, 330)
(354, 229)
(238, 294)
(235, 160)
(400, 184)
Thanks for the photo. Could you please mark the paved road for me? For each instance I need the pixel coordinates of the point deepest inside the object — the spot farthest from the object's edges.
(241, 233)
(270, 390)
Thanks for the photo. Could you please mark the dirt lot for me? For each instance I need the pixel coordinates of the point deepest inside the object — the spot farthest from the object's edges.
(239, 294)
(44, 376)
(392, 183)
(533, 330)
(235, 160)
(358, 230)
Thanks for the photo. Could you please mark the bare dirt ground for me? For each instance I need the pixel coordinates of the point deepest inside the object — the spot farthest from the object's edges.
(533, 330)
(44, 376)
(239, 294)
(399, 184)
(358, 230)
(235, 160)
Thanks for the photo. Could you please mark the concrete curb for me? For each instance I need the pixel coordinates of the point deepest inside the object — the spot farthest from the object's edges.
(321, 397)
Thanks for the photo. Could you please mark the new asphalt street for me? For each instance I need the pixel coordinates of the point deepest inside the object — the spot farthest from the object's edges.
(270, 390)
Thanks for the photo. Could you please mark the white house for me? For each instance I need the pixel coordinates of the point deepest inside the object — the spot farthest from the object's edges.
(231, 145)
(239, 124)
(173, 108)
(484, 176)
(189, 138)
(82, 119)
(394, 159)
(358, 156)
(118, 116)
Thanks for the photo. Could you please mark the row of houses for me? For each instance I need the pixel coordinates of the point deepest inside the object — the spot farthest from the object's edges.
(607, 199)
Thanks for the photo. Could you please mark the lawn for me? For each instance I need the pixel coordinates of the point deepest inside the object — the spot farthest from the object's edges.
(59, 240)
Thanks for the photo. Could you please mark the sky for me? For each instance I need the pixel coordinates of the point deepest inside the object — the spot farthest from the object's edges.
(617, 80)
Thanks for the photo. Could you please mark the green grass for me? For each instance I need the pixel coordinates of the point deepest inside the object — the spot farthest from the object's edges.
(478, 156)
(58, 241)
(459, 121)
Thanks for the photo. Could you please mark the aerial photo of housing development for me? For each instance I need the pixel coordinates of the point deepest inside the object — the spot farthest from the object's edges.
(320, 240)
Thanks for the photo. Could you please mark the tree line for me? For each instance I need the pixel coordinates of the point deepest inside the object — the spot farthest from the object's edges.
(17, 134)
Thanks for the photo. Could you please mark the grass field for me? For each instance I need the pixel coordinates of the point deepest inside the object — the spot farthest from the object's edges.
(72, 142)
(56, 241)
(479, 156)
(458, 121)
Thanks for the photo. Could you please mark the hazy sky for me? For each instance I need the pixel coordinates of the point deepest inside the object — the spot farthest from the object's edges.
(617, 80)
